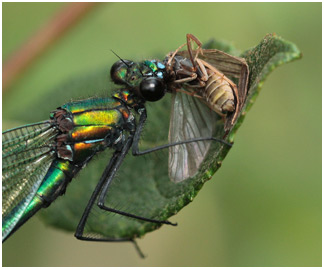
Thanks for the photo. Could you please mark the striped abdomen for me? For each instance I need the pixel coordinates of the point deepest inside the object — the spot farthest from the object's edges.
(219, 94)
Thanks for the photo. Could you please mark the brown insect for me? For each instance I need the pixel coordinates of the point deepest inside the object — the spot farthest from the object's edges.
(204, 75)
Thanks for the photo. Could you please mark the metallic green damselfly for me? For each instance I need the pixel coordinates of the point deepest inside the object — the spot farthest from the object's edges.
(39, 160)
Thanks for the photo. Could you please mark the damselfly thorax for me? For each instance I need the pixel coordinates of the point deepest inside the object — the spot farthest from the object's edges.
(39, 160)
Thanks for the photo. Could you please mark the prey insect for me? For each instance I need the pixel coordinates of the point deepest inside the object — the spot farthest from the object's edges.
(198, 80)
(39, 160)
(204, 73)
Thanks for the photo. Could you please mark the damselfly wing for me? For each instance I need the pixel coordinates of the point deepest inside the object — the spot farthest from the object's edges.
(27, 155)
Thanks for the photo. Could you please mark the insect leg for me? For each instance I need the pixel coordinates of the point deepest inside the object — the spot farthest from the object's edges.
(186, 73)
(108, 178)
(187, 79)
(190, 39)
(79, 231)
(137, 152)
(205, 75)
(110, 169)
(174, 54)
(190, 94)
(193, 140)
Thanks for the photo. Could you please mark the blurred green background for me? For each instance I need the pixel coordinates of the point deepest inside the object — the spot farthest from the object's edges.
(263, 207)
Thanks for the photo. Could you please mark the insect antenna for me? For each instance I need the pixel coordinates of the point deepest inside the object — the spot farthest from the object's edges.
(125, 62)
(120, 58)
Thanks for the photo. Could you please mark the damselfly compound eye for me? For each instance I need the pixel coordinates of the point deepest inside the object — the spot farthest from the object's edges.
(118, 71)
(152, 89)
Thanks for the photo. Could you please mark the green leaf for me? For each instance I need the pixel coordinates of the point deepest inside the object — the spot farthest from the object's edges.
(142, 186)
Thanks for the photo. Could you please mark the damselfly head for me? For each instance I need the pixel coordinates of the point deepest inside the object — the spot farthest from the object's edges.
(139, 78)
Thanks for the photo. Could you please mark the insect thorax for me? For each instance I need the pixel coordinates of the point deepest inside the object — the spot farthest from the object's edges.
(89, 126)
(181, 68)
(146, 69)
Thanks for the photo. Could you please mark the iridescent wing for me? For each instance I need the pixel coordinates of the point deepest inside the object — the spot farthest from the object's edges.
(231, 66)
(190, 118)
(26, 158)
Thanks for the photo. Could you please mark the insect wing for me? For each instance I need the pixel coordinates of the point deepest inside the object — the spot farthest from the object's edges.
(231, 66)
(190, 119)
(26, 158)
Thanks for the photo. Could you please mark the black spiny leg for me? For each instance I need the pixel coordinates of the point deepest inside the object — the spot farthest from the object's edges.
(109, 173)
(102, 190)
(137, 152)
(110, 176)
(108, 170)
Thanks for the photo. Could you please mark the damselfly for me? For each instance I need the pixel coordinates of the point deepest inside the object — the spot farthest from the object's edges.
(39, 160)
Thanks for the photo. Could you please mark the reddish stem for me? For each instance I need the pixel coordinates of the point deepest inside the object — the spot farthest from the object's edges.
(42, 40)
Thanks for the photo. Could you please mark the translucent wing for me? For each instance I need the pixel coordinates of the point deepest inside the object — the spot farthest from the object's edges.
(190, 118)
(26, 158)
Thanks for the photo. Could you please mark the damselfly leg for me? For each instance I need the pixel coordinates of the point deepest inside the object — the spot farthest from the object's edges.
(102, 188)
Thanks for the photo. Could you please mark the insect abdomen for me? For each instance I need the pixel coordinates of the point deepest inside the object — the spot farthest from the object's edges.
(219, 94)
